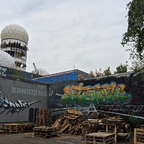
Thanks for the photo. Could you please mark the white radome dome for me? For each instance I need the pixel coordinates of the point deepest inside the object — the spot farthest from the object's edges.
(41, 72)
(6, 60)
(16, 32)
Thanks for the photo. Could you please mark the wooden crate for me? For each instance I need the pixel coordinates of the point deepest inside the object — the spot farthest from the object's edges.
(100, 138)
(138, 136)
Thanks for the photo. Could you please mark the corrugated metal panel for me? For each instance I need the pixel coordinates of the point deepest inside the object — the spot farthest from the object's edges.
(71, 76)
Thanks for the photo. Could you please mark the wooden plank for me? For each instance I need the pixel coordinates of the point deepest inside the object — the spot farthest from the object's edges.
(99, 134)
(138, 136)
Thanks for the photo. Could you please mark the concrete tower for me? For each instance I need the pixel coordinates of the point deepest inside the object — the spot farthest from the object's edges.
(14, 41)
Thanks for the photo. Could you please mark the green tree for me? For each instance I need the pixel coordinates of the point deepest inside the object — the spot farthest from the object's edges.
(122, 68)
(134, 122)
(137, 64)
(134, 37)
(98, 73)
(91, 74)
(107, 72)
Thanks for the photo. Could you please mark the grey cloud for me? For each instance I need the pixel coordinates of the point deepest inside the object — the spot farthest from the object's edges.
(63, 33)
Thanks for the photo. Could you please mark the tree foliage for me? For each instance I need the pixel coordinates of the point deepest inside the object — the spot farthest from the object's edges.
(91, 74)
(134, 37)
(122, 68)
(98, 73)
(137, 64)
(107, 72)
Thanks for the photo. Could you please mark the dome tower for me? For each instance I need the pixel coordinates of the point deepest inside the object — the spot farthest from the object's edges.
(14, 41)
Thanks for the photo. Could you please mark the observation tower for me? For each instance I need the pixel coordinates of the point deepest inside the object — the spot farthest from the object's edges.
(14, 41)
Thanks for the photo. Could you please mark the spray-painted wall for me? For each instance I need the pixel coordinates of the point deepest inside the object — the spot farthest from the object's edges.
(109, 90)
(101, 91)
(20, 99)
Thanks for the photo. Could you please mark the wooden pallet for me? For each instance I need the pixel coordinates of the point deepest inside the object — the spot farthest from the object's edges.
(43, 134)
(109, 128)
(45, 131)
(18, 128)
(13, 128)
(43, 117)
(27, 127)
(100, 138)
(138, 136)
(142, 126)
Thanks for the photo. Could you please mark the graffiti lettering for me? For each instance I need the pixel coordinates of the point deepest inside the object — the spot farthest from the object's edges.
(2, 71)
(28, 91)
(105, 93)
(13, 107)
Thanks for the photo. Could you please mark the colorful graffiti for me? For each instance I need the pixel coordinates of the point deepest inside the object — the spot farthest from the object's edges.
(13, 107)
(106, 93)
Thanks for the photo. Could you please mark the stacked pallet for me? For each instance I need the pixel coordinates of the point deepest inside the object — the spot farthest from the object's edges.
(70, 121)
(100, 138)
(93, 115)
(43, 117)
(107, 125)
(27, 127)
(120, 128)
(45, 131)
(138, 136)
(18, 128)
(13, 128)
(142, 126)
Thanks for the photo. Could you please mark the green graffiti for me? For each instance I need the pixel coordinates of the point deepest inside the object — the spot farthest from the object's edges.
(98, 94)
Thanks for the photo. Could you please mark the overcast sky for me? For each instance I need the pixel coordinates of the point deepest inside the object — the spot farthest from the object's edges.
(63, 34)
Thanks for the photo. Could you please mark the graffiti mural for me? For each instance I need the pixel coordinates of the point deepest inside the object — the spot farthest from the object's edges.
(13, 106)
(98, 94)
(121, 94)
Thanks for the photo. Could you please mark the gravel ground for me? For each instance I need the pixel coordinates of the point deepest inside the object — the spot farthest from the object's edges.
(27, 138)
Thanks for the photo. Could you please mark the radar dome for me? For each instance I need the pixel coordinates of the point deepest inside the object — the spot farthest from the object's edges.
(40, 71)
(6, 60)
(16, 32)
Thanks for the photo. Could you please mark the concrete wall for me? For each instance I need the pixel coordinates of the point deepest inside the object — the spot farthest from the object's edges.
(112, 90)
(19, 99)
